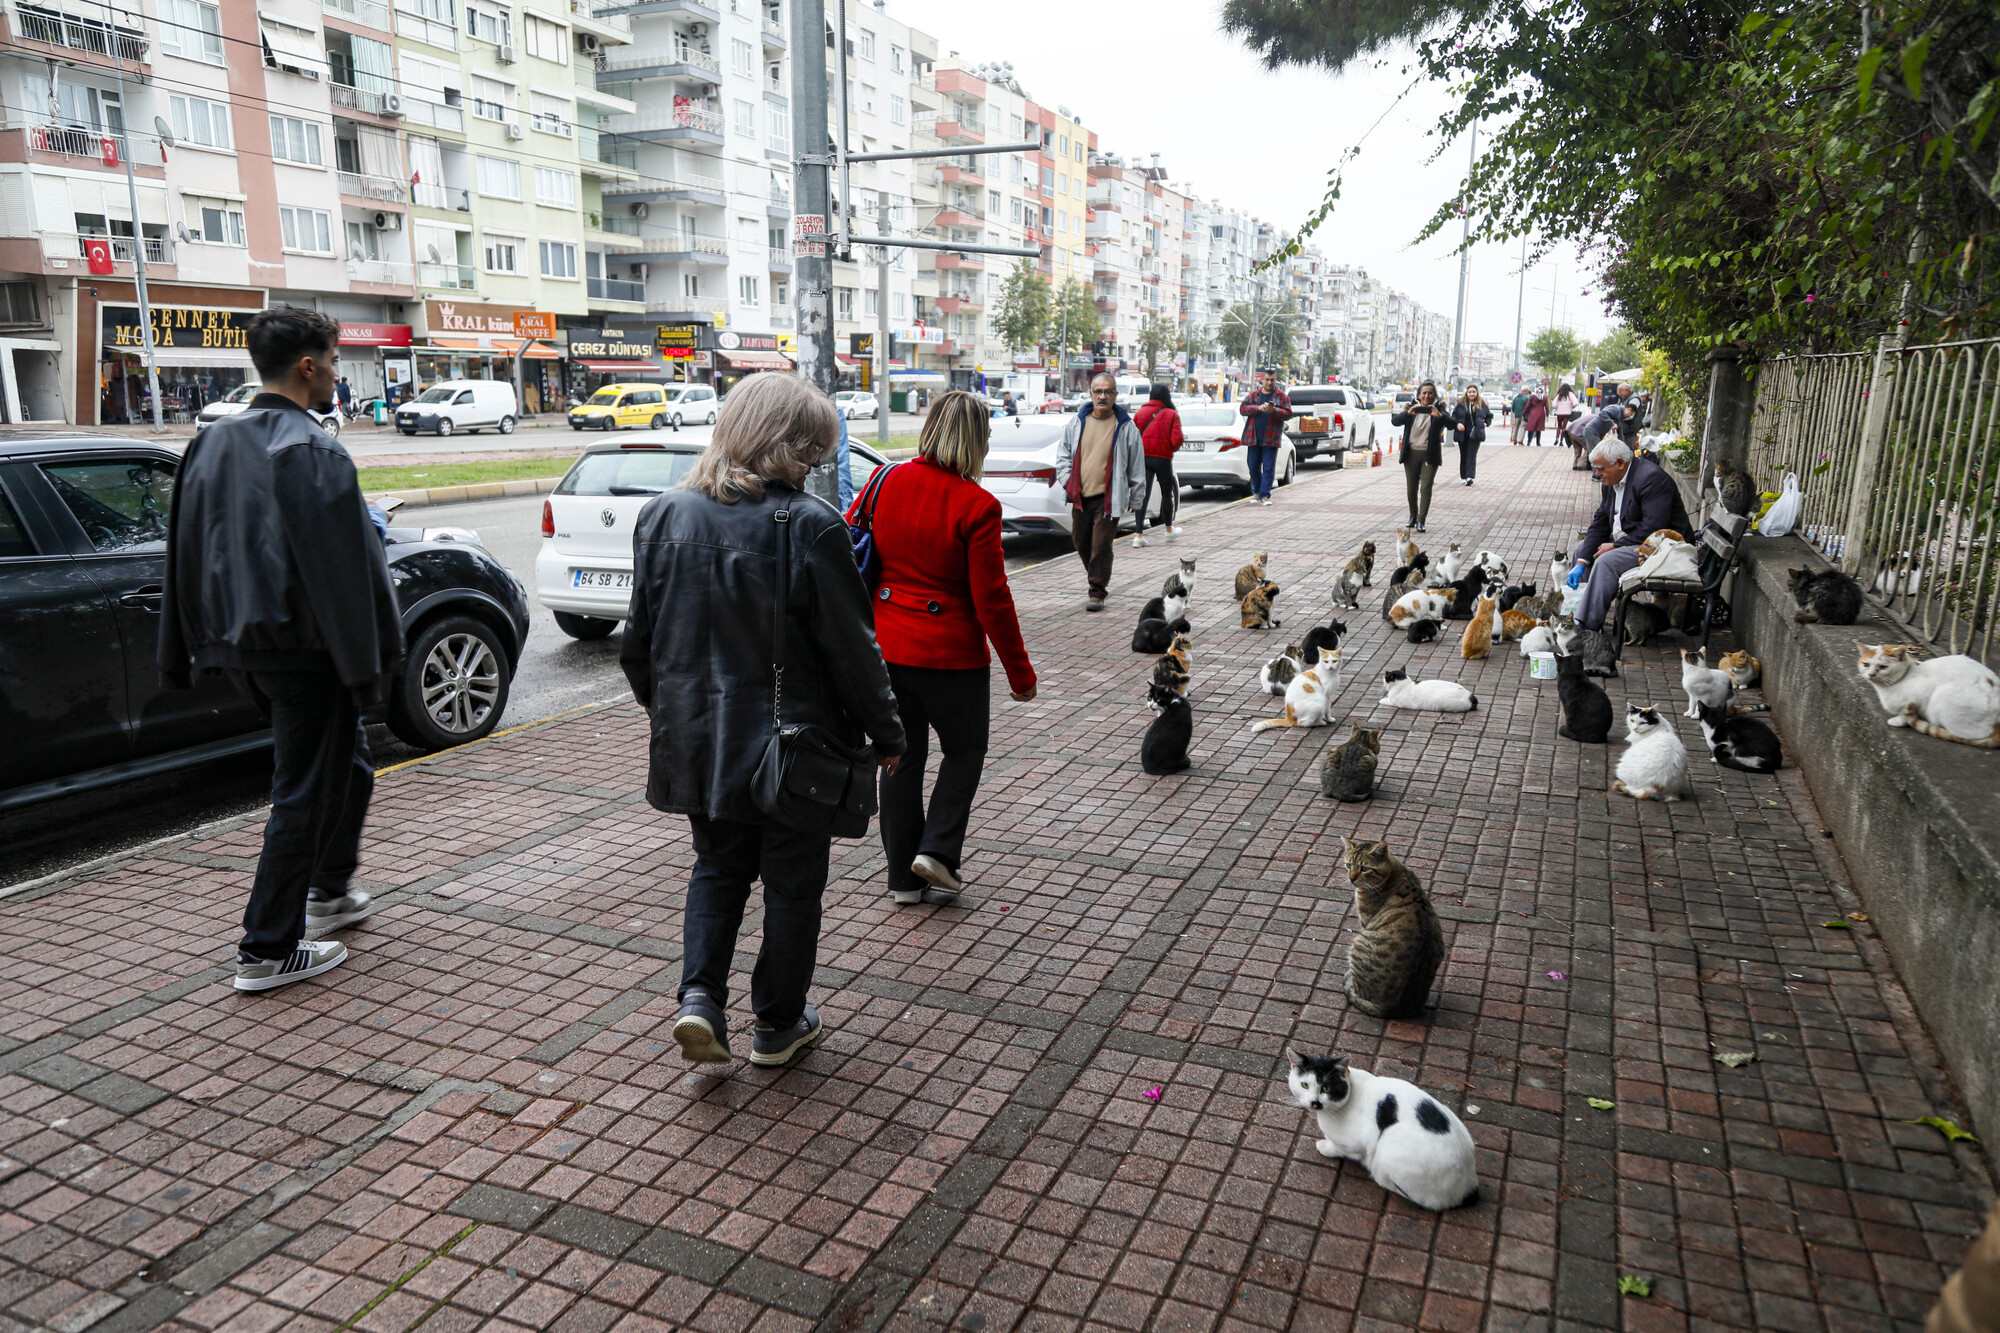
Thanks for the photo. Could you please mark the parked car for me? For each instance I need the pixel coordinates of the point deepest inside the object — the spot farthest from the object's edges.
(583, 572)
(692, 402)
(616, 406)
(857, 403)
(83, 549)
(455, 405)
(1329, 419)
(1214, 454)
(238, 398)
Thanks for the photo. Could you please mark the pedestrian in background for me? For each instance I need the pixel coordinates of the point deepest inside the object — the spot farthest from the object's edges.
(941, 598)
(698, 650)
(1160, 431)
(1535, 416)
(1425, 424)
(1469, 418)
(1101, 467)
(311, 641)
(1266, 411)
(1517, 420)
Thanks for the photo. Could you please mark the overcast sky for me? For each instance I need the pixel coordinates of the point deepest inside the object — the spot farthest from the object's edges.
(1159, 76)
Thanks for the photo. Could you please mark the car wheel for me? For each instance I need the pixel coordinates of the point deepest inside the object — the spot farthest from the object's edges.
(444, 426)
(506, 425)
(659, 420)
(454, 684)
(586, 628)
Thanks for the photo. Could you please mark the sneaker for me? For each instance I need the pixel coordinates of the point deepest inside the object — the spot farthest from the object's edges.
(325, 914)
(1139, 539)
(1094, 604)
(701, 1030)
(311, 958)
(937, 874)
(774, 1046)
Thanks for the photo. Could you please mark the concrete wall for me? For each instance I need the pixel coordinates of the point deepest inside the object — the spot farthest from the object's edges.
(1917, 819)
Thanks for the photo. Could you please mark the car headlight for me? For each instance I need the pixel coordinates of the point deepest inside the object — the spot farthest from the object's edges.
(464, 536)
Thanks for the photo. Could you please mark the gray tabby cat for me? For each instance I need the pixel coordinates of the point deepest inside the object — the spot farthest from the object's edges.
(1348, 771)
(1394, 959)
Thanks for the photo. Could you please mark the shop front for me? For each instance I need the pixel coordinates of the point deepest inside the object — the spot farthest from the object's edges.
(200, 354)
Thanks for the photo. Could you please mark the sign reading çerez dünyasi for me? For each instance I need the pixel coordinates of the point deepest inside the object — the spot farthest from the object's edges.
(177, 326)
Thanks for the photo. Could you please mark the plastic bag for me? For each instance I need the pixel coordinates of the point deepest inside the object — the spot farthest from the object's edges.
(1784, 513)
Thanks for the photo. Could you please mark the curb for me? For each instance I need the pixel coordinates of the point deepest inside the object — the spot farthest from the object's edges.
(485, 490)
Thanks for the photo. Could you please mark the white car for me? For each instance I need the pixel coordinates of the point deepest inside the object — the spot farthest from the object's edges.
(238, 398)
(856, 403)
(1214, 454)
(692, 402)
(583, 572)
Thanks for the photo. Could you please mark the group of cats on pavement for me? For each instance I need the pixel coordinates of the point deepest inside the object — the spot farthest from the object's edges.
(1409, 1142)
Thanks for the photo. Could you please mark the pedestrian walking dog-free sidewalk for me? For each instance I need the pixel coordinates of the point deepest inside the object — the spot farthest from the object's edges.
(481, 1121)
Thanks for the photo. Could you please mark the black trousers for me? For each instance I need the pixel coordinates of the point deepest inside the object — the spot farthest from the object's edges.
(1468, 460)
(956, 705)
(1162, 471)
(728, 855)
(322, 778)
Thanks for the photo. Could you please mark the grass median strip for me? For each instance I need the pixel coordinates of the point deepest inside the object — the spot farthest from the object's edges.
(472, 472)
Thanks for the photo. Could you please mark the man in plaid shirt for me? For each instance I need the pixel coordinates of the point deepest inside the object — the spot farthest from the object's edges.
(1267, 410)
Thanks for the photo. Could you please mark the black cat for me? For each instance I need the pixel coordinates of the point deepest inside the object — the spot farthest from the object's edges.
(1586, 707)
(1422, 631)
(1742, 743)
(1826, 597)
(1165, 748)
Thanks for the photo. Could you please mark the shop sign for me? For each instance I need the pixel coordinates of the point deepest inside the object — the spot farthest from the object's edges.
(731, 341)
(374, 335)
(177, 326)
(460, 317)
(678, 340)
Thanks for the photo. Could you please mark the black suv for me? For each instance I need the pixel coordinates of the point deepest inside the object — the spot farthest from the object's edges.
(83, 527)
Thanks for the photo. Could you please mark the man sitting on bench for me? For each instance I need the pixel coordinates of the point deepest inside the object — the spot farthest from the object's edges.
(1638, 499)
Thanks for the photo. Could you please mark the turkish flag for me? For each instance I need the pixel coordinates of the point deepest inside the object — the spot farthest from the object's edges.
(98, 252)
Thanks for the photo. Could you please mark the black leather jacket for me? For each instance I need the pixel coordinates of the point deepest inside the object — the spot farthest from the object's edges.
(697, 647)
(272, 562)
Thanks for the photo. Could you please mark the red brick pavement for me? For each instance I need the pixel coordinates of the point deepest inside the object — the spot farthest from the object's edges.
(480, 1120)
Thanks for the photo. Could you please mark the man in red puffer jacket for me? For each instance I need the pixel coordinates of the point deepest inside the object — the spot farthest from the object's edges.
(1160, 430)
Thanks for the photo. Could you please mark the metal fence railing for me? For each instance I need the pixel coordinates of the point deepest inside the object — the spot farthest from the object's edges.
(1896, 454)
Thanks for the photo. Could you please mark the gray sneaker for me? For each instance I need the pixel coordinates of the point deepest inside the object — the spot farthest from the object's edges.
(325, 914)
(311, 958)
(774, 1046)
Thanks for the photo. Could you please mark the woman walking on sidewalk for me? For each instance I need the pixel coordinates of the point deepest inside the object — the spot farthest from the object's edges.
(943, 595)
(1160, 429)
(1424, 427)
(700, 650)
(1535, 416)
(1470, 418)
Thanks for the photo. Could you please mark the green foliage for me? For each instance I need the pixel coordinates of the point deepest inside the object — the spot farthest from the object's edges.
(1157, 338)
(1277, 334)
(1082, 327)
(1022, 311)
(1555, 352)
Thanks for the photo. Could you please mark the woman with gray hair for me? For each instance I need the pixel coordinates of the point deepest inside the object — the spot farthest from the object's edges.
(699, 651)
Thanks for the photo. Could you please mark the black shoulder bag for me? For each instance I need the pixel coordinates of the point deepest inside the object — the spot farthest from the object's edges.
(808, 778)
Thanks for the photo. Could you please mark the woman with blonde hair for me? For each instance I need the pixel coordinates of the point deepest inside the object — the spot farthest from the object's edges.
(942, 596)
(701, 652)
(1470, 417)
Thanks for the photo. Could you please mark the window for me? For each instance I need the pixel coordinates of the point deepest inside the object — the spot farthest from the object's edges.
(781, 293)
(491, 99)
(843, 302)
(746, 118)
(555, 188)
(296, 141)
(895, 109)
(499, 177)
(551, 114)
(122, 503)
(306, 229)
(486, 24)
(777, 130)
(749, 290)
(501, 255)
(691, 284)
(864, 44)
(221, 223)
(200, 121)
(558, 259)
(547, 41)
(739, 56)
(191, 29)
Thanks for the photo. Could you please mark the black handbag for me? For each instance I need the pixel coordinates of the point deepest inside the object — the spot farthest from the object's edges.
(862, 534)
(808, 779)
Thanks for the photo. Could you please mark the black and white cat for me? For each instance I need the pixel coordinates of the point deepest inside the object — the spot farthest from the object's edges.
(1409, 1142)
(1165, 747)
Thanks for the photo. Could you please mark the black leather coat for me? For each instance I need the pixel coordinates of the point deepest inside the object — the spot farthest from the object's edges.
(272, 562)
(697, 647)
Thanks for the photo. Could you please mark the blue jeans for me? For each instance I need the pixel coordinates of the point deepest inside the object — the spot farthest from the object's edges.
(1263, 459)
(793, 866)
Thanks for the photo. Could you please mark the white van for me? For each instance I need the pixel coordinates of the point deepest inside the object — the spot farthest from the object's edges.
(467, 405)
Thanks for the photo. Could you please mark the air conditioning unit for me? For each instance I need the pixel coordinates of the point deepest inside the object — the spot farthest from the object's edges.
(386, 221)
(587, 43)
(392, 104)
(640, 209)
(514, 130)
(505, 55)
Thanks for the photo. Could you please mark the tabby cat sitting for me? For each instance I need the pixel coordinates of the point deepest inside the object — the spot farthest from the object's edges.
(1396, 955)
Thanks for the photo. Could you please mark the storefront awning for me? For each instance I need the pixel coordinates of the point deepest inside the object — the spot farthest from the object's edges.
(504, 347)
(235, 357)
(756, 360)
(597, 366)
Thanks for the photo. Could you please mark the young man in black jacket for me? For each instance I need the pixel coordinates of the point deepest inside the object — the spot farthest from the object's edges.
(276, 577)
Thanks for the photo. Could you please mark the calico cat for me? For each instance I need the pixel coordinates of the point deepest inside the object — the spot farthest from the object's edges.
(1277, 673)
(1422, 631)
(1392, 962)
(1156, 636)
(1409, 1143)
(1423, 604)
(1541, 638)
(1252, 574)
(1825, 597)
(1586, 707)
(1171, 671)
(1406, 547)
(1257, 607)
(1452, 565)
(1744, 670)
(1430, 696)
(1348, 771)
(1410, 572)
(1165, 747)
(1953, 698)
(1181, 582)
(1309, 698)
(1740, 742)
(1703, 683)
(1477, 640)
(1654, 766)
(1321, 638)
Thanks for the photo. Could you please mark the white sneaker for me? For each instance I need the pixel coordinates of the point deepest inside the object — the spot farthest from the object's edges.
(311, 958)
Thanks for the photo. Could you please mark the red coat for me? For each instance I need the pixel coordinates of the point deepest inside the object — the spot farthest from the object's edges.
(1159, 428)
(938, 538)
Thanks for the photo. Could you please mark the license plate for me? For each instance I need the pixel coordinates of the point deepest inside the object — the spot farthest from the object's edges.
(599, 578)
(1312, 425)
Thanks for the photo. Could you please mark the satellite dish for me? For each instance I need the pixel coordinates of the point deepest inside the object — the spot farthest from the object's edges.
(165, 131)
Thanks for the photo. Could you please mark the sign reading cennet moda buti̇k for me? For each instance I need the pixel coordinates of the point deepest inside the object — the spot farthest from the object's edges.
(177, 326)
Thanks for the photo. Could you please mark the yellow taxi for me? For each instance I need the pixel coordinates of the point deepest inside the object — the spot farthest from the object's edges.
(617, 405)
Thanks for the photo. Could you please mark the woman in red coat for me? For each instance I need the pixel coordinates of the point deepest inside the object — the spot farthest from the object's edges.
(1160, 430)
(943, 594)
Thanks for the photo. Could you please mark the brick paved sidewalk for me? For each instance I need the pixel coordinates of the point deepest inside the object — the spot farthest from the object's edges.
(481, 1120)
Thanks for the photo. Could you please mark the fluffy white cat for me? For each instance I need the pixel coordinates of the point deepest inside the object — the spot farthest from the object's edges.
(1432, 696)
(1953, 698)
(1409, 1142)
(1654, 766)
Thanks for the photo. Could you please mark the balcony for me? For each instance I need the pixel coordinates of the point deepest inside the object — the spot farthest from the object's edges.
(429, 31)
(682, 248)
(381, 272)
(159, 250)
(451, 198)
(108, 149)
(687, 124)
(683, 61)
(453, 277)
(55, 28)
(361, 13)
(347, 98)
(968, 263)
(616, 289)
(384, 189)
